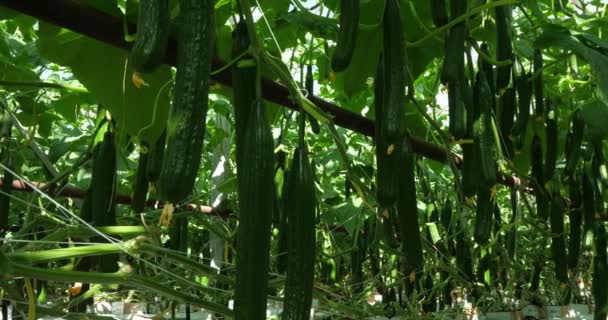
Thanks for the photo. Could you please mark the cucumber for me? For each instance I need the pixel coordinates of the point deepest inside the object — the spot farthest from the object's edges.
(7, 187)
(154, 162)
(439, 12)
(386, 180)
(407, 211)
(536, 160)
(390, 99)
(187, 117)
(103, 193)
(302, 240)
(523, 86)
(488, 69)
(552, 132)
(484, 215)
(103, 183)
(256, 205)
(347, 35)
(244, 88)
(6, 125)
(464, 259)
(558, 238)
(153, 26)
(512, 237)
(576, 221)
(539, 96)
(507, 113)
(140, 185)
(588, 210)
(486, 150)
(600, 275)
(504, 47)
(575, 142)
(310, 88)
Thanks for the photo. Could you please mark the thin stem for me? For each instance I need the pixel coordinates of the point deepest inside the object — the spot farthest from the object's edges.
(460, 19)
(38, 84)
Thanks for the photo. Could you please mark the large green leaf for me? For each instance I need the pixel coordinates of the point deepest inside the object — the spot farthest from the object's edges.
(556, 36)
(595, 114)
(101, 68)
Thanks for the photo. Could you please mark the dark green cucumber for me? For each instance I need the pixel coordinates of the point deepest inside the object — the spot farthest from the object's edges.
(347, 35)
(7, 187)
(141, 183)
(187, 117)
(301, 241)
(487, 69)
(523, 86)
(282, 245)
(536, 160)
(453, 64)
(155, 158)
(310, 88)
(484, 215)
(244, 88)
(439, 12)
(507, 113)
(575, 142)
(386, 180)
(504, 47)
(552, 132)
(486, 149)
(512, 236)
(576, 221)
(153, 26)
(103, 192)
(256, 203)
(539, 96)
(464, 259)
(407, 211)
(600, 275)
(103, 183)
(390, 100)
(588, 210)
(558, 238)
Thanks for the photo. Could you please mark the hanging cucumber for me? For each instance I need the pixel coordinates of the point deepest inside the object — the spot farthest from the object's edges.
(504, 48)
(244, 88)
(5, 196)
(512, 237)
(256, 205)
(301, 207)
(103, 183)
(588, 210)
(575, 142)
(523, 86)
(536, 159)
(347, 35)
(464, 259)
(153, 26)
(390, 101)
(576, 221)
(310, 88)
(558, 238)
(154, 162)
(407, 211)
(439, 12)
(141, 183)
(600, 275)
(507, 113)
(487, 69)
(187, 117)
(552, 132)
(483, 217)
(539, 96)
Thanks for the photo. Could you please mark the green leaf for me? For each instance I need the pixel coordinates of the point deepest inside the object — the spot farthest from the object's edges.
(101, 68)
(557, 36)
(595, 114)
